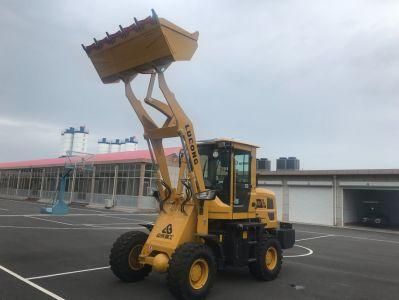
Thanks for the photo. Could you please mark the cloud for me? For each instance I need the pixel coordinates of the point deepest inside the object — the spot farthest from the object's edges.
(312, 79)
(27, 139)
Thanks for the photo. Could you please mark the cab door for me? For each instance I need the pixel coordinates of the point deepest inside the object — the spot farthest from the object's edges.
(242, 180)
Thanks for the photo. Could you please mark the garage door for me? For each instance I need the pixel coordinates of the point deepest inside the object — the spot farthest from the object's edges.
(278, 190)
(381, 204)
(313, 205)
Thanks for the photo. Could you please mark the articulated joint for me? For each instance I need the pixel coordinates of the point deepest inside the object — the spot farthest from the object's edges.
(160, 263)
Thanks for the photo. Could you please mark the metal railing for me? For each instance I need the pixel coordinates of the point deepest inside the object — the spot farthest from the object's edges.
(122, 201)
(126, 201)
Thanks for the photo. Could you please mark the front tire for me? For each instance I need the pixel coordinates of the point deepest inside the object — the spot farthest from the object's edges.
(269, 259)
(191, 271)
(124, 257)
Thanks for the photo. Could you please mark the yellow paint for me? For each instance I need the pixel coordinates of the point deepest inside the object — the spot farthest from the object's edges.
(149, 49)
(160, 41)
(160, 263)
(199, 273)
(271, 258)
(134, 262)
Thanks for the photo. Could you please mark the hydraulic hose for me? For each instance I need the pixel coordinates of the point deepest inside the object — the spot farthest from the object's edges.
(189, 194)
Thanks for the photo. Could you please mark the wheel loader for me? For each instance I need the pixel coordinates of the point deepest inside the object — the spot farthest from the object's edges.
(214, 215)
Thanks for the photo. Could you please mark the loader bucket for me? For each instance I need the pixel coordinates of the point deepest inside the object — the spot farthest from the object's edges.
(141, 47)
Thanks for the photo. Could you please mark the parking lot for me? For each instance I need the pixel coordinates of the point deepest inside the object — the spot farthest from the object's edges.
(66, 257)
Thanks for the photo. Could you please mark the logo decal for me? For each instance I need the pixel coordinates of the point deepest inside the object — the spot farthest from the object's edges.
(193, 150)
(167, 229)
(166, 233)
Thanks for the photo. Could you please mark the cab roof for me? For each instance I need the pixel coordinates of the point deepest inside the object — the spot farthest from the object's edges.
(233, 141)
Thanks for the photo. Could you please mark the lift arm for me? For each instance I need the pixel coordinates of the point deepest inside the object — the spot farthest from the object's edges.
(149, 46)
(179, 125)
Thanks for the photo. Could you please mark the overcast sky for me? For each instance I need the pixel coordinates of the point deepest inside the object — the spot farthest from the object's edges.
(314, 79)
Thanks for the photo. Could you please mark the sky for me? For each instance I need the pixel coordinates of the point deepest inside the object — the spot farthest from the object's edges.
(314, 79)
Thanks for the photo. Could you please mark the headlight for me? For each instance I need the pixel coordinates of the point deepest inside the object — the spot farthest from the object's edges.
(206, 195)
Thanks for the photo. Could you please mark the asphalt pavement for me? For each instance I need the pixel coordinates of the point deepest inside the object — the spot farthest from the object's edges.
(66, 257)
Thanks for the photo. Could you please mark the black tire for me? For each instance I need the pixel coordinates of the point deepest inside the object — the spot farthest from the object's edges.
(262, 270)
(181, 281)
(124, 262)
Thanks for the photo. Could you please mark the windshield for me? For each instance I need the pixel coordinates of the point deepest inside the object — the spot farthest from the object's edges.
(215, 163)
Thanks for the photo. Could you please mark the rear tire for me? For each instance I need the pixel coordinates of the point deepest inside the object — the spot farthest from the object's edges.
(191, 271)
(124, 257)
(268, 260)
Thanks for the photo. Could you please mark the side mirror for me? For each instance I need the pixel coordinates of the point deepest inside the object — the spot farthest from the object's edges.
(206, 195)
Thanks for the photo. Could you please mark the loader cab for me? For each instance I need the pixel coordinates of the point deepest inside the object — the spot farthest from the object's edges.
(228, 168)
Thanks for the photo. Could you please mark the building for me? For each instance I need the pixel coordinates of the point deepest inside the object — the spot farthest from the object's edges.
(103, 146)
(293, 163)
(74, 140)
(263, 164)
(281, 163)
(125, 177)
(333, 197)
(290, 163)
(323, 197)
(117, 145)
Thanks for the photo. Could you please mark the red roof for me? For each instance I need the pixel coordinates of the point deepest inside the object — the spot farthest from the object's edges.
(117, 157)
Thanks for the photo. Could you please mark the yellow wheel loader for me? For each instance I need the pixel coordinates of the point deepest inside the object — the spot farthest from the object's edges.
(214, 216)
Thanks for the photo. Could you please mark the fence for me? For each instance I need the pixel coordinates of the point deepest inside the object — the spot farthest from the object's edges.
(127, 185)
(126, 201)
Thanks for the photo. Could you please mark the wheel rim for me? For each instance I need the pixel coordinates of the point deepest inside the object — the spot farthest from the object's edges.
(199, 273)
(271, 258)
(134, 263)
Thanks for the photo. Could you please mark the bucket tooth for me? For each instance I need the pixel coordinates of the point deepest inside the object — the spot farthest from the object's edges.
(137, 23)
(145, 45)
(154, 15)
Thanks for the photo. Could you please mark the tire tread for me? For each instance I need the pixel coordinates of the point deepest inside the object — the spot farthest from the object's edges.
(118, 258)
(258, 268)
(179, 264)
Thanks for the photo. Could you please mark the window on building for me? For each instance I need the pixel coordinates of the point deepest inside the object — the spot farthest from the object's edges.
(128, 179)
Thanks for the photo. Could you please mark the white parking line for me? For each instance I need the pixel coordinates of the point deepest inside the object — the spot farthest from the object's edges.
(4, 209)
(73, 215)
(129, 219)
(68, 273)
(310, 252)
(34, 285)
(69, 228)
(367, 239)
(52, 221)
(88, 209)
(145, 214)
(352, 237)
(315, 237)
(104, 224)
(304, 231)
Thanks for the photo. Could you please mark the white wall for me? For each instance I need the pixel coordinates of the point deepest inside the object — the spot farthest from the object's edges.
(310, 204)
